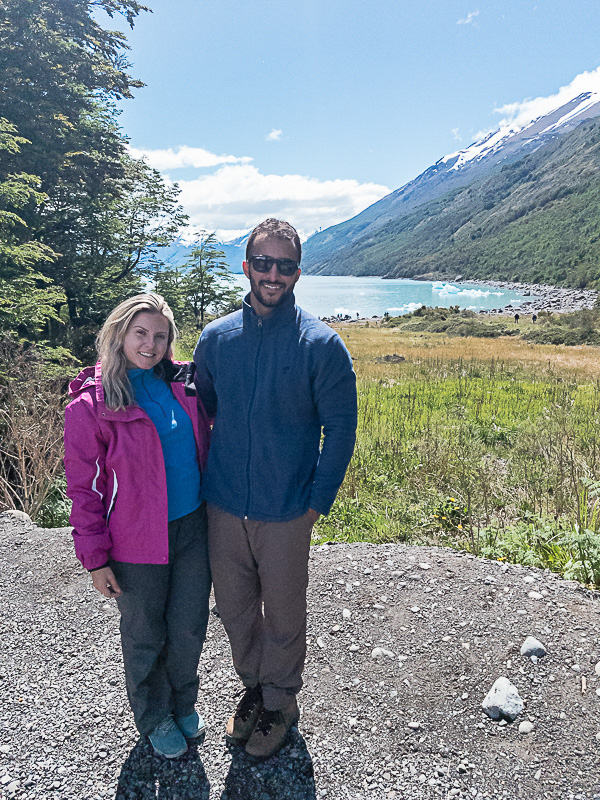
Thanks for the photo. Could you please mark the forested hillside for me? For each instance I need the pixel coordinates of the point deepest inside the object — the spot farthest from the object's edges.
(536, 220)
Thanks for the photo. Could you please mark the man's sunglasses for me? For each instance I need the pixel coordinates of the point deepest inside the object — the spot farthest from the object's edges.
(285, 266)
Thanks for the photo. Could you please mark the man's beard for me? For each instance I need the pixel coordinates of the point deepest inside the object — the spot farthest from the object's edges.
(265, 301)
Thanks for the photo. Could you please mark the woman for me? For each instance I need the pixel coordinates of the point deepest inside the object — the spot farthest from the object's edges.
(135, 444)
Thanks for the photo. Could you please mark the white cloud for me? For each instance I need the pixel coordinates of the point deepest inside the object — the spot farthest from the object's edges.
(164, 160)
(455, 134)
(274, 136)
(520, 114)
(236, 197)
(469, 18)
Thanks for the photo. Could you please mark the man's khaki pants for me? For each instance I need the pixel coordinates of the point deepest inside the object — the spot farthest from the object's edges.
(260, 576)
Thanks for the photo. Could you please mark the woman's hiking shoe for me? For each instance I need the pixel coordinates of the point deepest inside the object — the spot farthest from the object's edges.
(167, 739)
(242, 722)
(192, 726)
(271, 730)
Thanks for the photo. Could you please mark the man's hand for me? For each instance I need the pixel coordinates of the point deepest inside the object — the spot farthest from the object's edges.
(105, 582)
(314, 515)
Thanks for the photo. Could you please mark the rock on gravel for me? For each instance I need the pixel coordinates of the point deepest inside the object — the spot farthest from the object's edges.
(66, 732)
(526, 726)
(533, 647)
(503, 701)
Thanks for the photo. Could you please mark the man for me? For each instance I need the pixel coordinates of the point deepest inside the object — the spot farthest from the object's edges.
(275, 378)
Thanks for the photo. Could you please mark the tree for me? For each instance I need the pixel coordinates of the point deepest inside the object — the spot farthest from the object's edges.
(27, 299)
(109, 243)
(100, 212)
(202, 284)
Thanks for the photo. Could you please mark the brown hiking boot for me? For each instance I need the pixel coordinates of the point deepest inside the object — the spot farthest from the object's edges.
(242, 722)
(271, 730)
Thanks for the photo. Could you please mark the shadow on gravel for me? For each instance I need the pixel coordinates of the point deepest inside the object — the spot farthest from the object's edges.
(146, 776)
(288, 775)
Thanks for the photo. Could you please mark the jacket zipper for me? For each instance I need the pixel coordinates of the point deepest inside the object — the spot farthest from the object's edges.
(250, 408)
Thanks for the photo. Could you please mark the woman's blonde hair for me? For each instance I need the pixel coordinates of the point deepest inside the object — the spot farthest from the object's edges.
(118, 393)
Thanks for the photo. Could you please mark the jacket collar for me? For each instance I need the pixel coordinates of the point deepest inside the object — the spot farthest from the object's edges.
(175, 372)
(281, 315)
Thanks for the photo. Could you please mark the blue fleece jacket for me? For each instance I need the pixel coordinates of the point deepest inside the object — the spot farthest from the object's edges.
(274, 384)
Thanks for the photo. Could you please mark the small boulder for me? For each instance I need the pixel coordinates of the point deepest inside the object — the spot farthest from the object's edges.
(503, 701)
(533, 647)
(526, 726)
(20, 515)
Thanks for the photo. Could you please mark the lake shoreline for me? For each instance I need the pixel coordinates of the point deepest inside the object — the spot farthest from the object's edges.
(539, 297)
(556, 299)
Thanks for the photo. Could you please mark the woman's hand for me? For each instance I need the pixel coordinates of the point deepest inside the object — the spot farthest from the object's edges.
(105, 582)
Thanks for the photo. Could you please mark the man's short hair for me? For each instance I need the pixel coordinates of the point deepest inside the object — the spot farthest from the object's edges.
(275, 227)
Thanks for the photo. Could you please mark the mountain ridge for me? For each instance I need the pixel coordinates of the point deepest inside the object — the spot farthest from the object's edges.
(335, 250)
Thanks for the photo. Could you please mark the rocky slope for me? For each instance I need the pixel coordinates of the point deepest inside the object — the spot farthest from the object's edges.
(404, 643)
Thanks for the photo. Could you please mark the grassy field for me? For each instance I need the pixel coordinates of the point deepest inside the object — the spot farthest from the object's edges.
(491, 445)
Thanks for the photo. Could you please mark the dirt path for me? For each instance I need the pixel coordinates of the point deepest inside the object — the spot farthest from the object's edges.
(404, 721)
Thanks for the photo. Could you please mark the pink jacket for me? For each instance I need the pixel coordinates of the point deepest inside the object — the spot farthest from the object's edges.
(116, 474)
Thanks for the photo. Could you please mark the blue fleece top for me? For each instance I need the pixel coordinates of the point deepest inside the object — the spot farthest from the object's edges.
(274, 384)
(176, 435)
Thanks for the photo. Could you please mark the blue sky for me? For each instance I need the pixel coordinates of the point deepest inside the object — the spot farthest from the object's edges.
(313, 110)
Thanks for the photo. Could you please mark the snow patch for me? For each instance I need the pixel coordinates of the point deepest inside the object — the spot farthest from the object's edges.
(407, 308)
(449, 290)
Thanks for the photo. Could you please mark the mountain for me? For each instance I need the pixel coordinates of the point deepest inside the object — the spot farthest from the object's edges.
(179, 250)
(382, 239)
(536, 220)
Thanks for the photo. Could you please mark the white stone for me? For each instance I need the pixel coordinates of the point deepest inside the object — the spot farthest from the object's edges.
(414, 725)
(526, 726)
(597, 668)
(346, 613)
(377, 652)
(503, 700)
(353, 648)
(415, 609)
(535, 595)
(321, 643)
(21, 515)
(5, 748)
(533, 647)
(425, 565)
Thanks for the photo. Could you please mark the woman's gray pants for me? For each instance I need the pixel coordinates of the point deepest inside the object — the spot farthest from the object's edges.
(164, 614)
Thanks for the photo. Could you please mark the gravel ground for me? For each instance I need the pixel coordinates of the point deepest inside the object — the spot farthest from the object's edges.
(404, 643)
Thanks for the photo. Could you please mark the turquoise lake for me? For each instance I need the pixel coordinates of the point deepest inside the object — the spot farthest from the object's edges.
(326, 296)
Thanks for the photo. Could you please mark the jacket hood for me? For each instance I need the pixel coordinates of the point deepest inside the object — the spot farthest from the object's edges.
(84, 380)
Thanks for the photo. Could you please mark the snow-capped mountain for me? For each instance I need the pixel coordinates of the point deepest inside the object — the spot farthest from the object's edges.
(179, 251)
(511, 136)
(511, 141)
